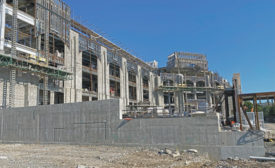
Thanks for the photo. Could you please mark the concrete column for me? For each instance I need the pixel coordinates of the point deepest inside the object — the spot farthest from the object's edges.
(19, 95)
(100, 77)
(210, 100)
(176, 101)
(52, 97)
(152, 97)
(1, 93)
(78, 77)
(31, 95)
(103, 76)
(195, 93)
(208, 81)
(139, 85)
(160, 97)
(2, 25)
(236, 81)
(223, 108)
(181, 103)
(124, 84)
(73, 64)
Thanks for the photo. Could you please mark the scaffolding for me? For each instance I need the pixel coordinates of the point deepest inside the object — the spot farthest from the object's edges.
(187, 60)
(37, 43)
(29, 66)
(13, 54)
(254, 97)
(184, 88)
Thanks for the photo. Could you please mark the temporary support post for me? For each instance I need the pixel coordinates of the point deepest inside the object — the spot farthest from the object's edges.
(234, 108)
(248, 120)
(240, 115)
(226, 107)
(256, 113)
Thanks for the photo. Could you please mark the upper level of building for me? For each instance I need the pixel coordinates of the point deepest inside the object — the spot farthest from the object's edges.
(44, 33)
(187, 60)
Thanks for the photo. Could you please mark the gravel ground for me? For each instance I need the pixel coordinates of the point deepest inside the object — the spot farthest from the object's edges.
(63, 156)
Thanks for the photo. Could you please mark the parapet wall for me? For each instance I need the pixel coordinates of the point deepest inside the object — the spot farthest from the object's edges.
(98, 123)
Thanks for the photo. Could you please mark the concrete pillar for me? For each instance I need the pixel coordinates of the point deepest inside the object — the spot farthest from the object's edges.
(52, 97)
(27, 88)
(100, 77)
(31, 95)
(195, 93)
(73, 64)
(181, 102)
(176, 102)
(2, 25)
(1, 93)
(208, 81)
(223, 108)
(139, 85)
(236, 81)
(19, 95)
(160, 97)
(103, 76)
(152, 97)
(211, 100)
(124, 84)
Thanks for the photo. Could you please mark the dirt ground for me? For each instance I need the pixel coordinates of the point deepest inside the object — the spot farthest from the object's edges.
(66, 156)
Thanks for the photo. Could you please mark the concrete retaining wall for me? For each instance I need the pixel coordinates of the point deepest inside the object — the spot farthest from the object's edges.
(98, 123)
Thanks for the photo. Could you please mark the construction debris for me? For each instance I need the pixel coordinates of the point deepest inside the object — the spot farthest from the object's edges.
(192, 151)
(263, 158)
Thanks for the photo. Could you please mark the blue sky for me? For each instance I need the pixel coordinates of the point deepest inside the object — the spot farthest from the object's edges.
(236, 35)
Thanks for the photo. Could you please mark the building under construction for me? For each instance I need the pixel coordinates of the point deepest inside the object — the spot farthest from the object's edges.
(188, 85)
(46, 57)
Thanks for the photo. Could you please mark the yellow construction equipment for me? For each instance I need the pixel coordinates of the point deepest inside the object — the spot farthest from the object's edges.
(182, 85)
(42, 60)
(32, 57)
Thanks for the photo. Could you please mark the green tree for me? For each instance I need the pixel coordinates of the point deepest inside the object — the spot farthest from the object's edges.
(249, 105)
(260, 108)
(272, 110)
(266, 110)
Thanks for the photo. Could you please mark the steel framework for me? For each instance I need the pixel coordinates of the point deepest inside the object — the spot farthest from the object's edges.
(26, 65)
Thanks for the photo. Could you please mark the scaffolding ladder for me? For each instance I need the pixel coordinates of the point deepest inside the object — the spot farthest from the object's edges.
(45, 90)
(5, 89)
(46, 56)
(13, 54)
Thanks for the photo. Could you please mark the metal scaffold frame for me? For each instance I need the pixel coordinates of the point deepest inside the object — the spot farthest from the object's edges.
(13, 54)
(179, 88)
(26, 65)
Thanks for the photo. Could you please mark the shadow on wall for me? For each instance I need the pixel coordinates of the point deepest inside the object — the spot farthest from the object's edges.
(250, 136)
(123, 123)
